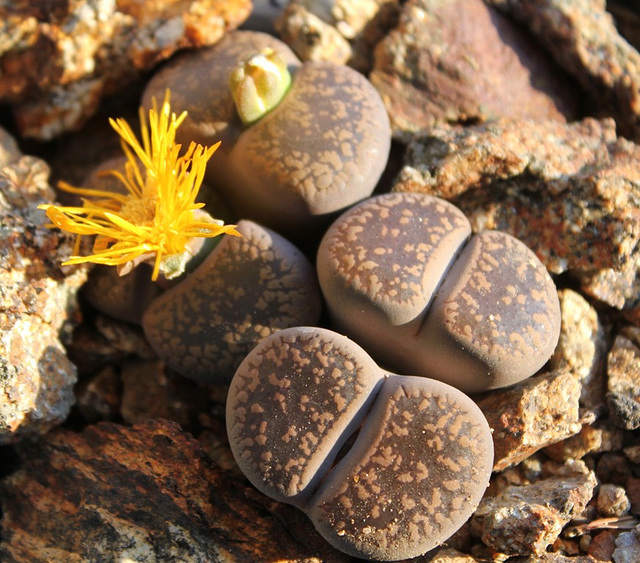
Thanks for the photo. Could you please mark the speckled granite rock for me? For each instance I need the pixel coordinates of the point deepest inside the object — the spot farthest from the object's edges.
(524, 520)
(453, 57)
(570, 192)
(583, 39)
(37, 306)
(534, 414)
(58, 61)
(147, 493)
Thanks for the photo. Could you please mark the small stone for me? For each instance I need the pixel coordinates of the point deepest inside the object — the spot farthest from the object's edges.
(540, 411)
(623, 388)
(612, 500)
(150, 391)
(633, 493)
(590, 440)
(613, 467)
(627, 547)
(311, 38)
(98, 397)
(453, 56)
(9, 151)
(527, 519)
(582, 347)
(602, 546)
(37, 306)
(341, 31)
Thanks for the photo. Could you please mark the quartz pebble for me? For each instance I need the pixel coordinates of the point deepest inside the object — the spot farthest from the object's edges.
(400, 277)
(453, 56)
(246, 289)
(612, 500)
(412, 476)
(527, 519)
(37, 306)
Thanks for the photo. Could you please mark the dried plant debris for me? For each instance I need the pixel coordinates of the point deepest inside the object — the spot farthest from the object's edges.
(56, 64)
(37, 306)
(570, 192)
(446, 62)
(583, 39)
(148, 492)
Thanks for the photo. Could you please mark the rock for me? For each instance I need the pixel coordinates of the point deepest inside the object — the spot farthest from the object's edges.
(98, 397)
(536, 413)
(527, 519)
(633, 493)
(612, 500)
(142, 493)
(340, 31)
(9, 151)
(602, 546)
(582, 347)
(623, 388)
(627, 547)
(151, 391)
(453, 57)
(590, 440)
(37, 306)
(570, 192)
(584, 41)
(58, 63)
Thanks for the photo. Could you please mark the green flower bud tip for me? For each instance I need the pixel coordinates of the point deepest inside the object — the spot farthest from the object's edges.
(258, 84)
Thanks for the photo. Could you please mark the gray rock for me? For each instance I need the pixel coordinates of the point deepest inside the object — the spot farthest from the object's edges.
(623, 387)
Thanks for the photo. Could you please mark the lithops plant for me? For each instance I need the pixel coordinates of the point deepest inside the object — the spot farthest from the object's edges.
(316, 150)
(246, 289)
(252, 283)
(402, 275)
(412, 475)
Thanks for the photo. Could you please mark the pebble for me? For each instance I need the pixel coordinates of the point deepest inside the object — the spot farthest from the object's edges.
(612, 500)
(627, 547)
(527, 519)
(540, 411)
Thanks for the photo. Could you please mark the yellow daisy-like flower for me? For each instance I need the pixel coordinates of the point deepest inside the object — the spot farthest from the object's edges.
(158, 215)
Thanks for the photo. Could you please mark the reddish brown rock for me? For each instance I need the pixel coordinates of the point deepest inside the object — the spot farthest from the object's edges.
(583, 39)
(446, 62)
(37, 306)
(534, 414)
(57, 63)
(142, 493)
